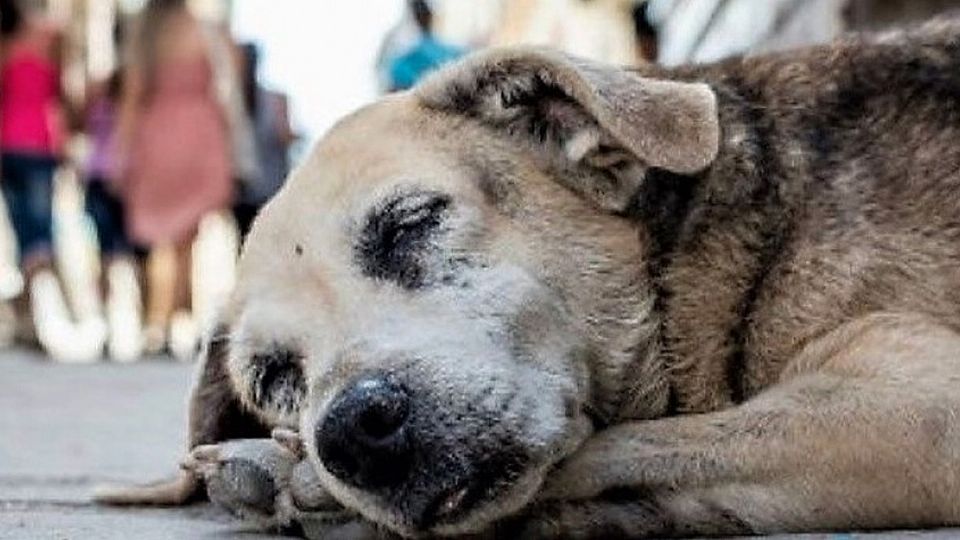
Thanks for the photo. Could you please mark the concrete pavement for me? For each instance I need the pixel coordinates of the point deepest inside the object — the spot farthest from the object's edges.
(66, 428)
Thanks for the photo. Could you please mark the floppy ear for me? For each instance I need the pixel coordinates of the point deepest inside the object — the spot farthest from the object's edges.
(215, 414)
(610, 120)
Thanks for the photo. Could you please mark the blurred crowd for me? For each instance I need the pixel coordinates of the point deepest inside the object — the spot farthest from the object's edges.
(180, 130)
(128, 190)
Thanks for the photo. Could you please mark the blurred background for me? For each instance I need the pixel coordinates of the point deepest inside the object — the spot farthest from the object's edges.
(139, 137)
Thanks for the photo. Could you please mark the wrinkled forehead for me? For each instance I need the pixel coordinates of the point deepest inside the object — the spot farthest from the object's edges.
(392, 144)
(388, 149)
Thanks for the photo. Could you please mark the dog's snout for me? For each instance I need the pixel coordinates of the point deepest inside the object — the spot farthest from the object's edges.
(364, 440)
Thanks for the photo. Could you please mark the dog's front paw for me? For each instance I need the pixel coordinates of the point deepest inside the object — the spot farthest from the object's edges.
(244, 476)
(266, 481)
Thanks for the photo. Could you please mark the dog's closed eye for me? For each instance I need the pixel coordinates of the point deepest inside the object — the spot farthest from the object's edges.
(278, 382)
(395, 236)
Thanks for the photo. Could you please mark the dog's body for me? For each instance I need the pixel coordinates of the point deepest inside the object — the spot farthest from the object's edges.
(736, 303)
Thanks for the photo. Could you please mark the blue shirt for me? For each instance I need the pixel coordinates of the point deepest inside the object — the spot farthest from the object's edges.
(424, 57)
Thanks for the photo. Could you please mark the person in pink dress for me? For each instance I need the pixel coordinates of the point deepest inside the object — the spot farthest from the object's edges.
(174, 146)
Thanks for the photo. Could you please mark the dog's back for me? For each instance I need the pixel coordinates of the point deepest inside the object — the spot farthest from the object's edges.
(834, 196)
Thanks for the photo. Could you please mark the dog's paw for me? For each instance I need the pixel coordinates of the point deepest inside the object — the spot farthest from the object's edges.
(244, 476)
(266, 481)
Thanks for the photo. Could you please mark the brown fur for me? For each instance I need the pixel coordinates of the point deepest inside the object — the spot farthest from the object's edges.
(747, 273)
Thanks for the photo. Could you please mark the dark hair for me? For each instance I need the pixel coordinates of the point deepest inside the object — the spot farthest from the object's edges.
(11, 17)
(422, 15)
(646, 32)
(114, 85)
(641, 20)
(248, 79)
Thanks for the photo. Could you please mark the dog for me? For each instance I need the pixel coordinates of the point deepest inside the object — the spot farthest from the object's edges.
(542, 297)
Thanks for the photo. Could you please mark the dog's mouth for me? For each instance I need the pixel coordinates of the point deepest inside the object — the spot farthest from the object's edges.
(452, 504)
(489, 481)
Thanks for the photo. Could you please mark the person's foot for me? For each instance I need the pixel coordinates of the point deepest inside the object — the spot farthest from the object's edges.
(154, 339)
(183, 336)
(58, 335)
(125, 343)
(8, 324)
(25, 334)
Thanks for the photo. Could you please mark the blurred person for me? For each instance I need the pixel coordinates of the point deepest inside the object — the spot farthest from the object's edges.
(693, 31)
(596, 29)
(268, 113)
(32, 132)
(399, 39)
(427, 54)
(118, 288)
(646, 33)
(173, 146)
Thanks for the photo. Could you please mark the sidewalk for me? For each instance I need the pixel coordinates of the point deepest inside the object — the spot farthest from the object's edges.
(64, 429)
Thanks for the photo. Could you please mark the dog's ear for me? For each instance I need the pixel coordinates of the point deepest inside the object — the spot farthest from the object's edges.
(612, 121)
(215, 414)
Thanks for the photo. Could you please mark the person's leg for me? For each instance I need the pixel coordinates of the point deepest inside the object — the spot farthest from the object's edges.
(184, 253)
(161, 291)
(183, 331)
(19, 172)
(96, 207)
(12, 188)
(28, 189)
(106, 211)
(37, 243)
(57, 332)
(119, 282)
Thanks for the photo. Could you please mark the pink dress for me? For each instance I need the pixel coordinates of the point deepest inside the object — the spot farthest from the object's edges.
(179, 163)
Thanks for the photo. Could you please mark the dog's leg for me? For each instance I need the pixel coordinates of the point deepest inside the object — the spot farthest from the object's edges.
(215, 414)
(862, 432)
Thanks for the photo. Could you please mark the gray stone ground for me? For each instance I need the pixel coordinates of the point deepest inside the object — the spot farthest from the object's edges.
(64, 429)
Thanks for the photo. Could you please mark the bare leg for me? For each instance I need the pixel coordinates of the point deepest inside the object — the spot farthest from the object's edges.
(161, 286)
(183, 328)
(184, 275)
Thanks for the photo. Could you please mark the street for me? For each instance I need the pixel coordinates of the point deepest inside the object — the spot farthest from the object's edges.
(67, 428)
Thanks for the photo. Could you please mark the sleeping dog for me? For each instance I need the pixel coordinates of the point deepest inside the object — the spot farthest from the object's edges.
(543, 297)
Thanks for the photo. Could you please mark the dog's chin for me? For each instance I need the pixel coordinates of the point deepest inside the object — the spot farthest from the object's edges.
(479, 504)
(465, 509)
(462, 485)
(468, 505)
(483, 500)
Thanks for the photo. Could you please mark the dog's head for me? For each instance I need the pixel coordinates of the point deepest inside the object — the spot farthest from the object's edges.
(446, 293)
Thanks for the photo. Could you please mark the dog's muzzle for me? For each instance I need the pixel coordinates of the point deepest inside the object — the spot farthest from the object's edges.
(364, 439)
(411, 454)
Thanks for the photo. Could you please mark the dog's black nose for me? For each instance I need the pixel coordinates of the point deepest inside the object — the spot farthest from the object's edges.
(364, 440)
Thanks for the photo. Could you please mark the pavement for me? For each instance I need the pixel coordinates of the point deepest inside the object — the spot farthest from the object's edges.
(67, 428)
